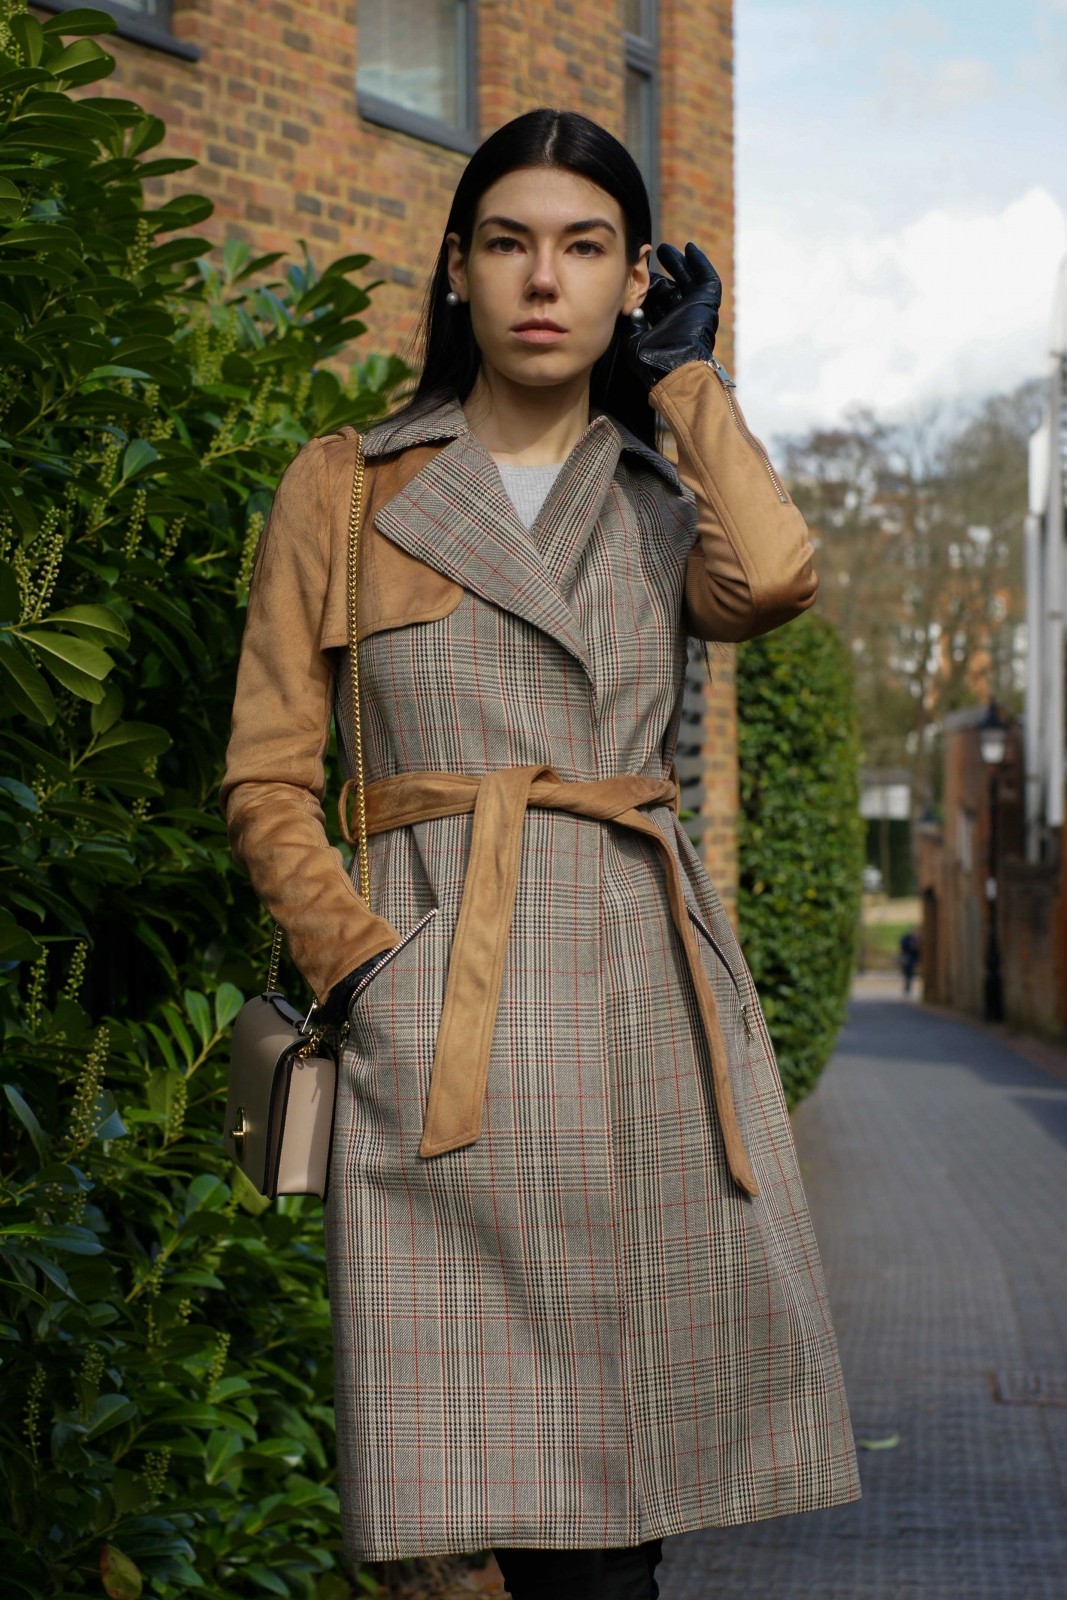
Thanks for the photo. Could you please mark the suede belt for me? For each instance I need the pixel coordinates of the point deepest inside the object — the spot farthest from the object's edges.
(472, 992)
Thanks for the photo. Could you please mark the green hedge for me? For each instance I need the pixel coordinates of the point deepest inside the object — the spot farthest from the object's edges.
(166, 1416)
(801, 838)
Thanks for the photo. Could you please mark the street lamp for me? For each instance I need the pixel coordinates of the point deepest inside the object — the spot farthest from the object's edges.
(993, 738)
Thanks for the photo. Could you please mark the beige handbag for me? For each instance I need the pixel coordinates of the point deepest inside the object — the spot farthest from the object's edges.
(283, 1072)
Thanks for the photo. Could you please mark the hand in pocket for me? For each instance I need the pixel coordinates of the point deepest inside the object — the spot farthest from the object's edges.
(336, 1007)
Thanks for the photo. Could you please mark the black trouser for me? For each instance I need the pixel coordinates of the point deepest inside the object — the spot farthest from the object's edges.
(625, 1572)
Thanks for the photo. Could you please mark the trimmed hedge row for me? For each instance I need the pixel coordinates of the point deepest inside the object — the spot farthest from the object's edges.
(801, 838)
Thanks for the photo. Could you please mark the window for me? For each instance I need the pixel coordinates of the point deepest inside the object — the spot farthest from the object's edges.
(965, 820)
(642, 97)
(146, 21)
(158, 9)
(416, 68)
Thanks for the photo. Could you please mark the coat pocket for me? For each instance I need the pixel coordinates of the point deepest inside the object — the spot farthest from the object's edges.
(744, 1010)
(393, 1018)
(390, 955)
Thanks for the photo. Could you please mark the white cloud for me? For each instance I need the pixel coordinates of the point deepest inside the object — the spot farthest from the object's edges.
(951, 304)
(929, 89)
(919, 24)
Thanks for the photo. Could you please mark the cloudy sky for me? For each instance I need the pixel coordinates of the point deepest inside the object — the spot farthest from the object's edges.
(902, 201)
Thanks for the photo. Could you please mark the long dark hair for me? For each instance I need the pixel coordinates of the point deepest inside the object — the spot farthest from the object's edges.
(444, 343)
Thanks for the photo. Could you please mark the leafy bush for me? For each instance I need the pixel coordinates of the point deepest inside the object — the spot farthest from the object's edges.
(800, 839)
(165, 1389)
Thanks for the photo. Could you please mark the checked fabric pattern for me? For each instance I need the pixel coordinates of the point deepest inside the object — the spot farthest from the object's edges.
(576, 1331)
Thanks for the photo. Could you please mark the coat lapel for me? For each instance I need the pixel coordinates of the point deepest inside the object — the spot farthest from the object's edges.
(456, 516)
(573, 504)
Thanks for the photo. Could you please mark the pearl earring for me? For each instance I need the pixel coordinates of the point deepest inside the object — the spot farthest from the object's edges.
(637, 315)
(452, 297)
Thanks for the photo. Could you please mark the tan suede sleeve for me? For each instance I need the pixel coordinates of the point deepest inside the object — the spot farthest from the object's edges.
(271, 792)
(750, 569)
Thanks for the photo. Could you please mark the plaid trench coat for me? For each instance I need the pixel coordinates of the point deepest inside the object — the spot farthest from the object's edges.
(576, 1329)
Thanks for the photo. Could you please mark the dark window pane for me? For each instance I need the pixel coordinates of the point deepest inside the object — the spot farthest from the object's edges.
(637, 18)
(413, 52)
(640, 132)
(159, 9)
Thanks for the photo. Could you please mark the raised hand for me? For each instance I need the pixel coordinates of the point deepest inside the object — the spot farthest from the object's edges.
(681, 315)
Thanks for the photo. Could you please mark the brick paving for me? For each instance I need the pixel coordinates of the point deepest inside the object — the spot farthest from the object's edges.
(933, 1156)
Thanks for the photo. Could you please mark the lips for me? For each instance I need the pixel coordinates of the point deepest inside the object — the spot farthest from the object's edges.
(538, 332)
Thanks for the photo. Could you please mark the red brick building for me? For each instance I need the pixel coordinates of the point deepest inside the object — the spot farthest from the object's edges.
(959, 860)
(348, 122)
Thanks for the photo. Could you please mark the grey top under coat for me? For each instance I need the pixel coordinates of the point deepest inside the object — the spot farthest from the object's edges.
(528, 487)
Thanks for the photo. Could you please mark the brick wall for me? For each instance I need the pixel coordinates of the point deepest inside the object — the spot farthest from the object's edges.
(697, 202)
(1031, 902)
(269, 112)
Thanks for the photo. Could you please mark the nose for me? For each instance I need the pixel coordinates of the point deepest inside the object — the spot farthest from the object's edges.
(542, 279)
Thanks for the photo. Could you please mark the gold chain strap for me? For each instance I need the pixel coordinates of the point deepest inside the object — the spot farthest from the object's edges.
(354, 519)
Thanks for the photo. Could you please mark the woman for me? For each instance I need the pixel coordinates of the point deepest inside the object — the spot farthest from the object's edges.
(577, 1302)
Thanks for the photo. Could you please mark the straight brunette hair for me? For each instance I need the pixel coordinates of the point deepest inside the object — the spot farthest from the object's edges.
(444, 339)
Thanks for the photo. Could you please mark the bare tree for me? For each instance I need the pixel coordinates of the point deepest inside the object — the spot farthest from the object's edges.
(918, 525)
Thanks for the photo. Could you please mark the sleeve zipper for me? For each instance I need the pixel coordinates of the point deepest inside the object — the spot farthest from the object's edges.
(729, 385)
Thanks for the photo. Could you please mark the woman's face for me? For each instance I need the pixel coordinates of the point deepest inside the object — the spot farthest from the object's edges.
(547, 245)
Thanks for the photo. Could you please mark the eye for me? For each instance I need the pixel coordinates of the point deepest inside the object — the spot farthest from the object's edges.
(597, 249)
(501, 238)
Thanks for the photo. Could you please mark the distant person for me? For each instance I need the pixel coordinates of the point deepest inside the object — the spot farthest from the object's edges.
(910, 953)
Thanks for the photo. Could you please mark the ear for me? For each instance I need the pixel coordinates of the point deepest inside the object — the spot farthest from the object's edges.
(638, 282)
(457, 266)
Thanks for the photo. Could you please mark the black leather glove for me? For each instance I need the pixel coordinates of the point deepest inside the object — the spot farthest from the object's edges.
(681, 317)
(334, 1009)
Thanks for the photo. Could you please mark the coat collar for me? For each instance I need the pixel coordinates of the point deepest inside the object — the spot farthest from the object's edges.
(455, 516)
(448, 421)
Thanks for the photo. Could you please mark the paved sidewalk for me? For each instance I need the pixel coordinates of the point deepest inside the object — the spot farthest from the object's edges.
(933, 1155)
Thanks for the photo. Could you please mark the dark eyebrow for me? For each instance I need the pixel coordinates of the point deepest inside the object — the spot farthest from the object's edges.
(572, 227)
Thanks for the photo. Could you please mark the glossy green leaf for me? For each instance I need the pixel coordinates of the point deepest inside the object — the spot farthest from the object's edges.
(81, 53)
(109, 1412)
(165, 1084)
(141, 738)
(25, 687)
(34, 235)
(121, 1577)
(247, 1195)
(89, 622)
(104, 715)
(206, 1192)
(86, 658)
(139, 455)
(228, 1002)
(80, 19)
(219, 1451)
(197, 1010)
(110, 1124)
(21, 793)
(63, 1236)
(26, 1115)
(28, 35)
